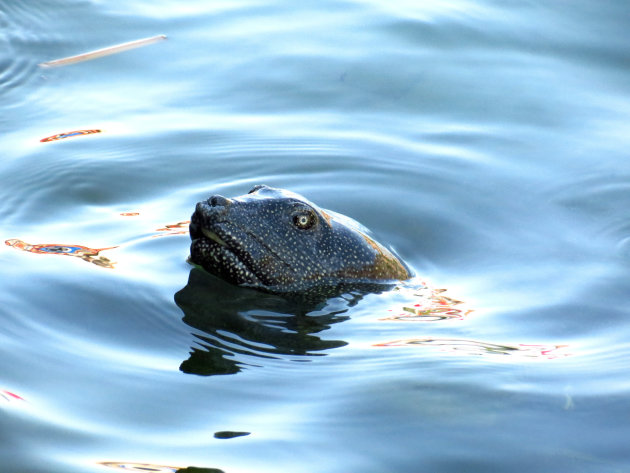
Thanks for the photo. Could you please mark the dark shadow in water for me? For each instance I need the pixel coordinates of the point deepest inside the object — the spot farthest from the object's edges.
(194, 469)
(228, 434)
(237, 326)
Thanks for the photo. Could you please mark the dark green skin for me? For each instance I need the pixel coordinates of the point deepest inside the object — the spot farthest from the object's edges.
(277, 241)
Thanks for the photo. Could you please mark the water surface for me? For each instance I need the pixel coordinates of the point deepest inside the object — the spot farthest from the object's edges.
(485, 141)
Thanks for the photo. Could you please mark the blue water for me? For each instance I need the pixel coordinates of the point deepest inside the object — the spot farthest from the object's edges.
(487, 142)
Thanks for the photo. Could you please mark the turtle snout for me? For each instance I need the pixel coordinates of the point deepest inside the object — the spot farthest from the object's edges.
(208, 213)
(215, 206)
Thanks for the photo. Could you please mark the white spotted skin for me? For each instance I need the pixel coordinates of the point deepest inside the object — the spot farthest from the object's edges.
(278, 241)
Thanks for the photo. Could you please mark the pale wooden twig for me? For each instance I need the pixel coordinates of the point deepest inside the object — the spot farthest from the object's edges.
(118, 48)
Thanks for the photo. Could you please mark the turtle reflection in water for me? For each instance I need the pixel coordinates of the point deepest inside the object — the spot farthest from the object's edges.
(237, 327)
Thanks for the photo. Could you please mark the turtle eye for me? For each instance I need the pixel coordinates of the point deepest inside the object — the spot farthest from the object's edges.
(304, 220)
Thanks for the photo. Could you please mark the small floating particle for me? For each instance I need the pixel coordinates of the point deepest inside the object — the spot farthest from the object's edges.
(226, 434)
(118, 48)
(9, 396)
(69, 134)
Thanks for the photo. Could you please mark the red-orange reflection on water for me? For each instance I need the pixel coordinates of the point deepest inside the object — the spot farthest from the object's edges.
(91, 255)
(68, 134)
(476, 347)
(144, 467)
(140, 467)
(8, 396)
(428, 304)
(179, 228)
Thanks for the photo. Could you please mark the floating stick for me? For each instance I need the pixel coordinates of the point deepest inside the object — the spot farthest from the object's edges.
(118, 48)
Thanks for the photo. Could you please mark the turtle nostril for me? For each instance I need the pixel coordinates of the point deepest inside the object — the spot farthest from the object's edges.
(256, 188)
(218, 201)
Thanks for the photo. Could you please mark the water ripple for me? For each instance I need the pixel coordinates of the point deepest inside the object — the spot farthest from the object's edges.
(601, 202)
(484, 140)
(25, 32)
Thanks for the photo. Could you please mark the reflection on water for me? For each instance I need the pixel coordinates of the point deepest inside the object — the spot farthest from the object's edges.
(253, 325)
(475, 347)
(486, 141)
(8, 396)
(427, 304)
(68, 134)
(140, 467)
(432, 305)
(91, 255)
(179, 228)
(157, 468)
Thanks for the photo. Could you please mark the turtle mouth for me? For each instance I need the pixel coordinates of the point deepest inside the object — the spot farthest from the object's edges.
(210, 235)
(217, 251)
